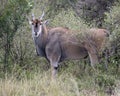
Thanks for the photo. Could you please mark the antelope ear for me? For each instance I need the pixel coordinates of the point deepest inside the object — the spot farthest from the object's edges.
(46, 22)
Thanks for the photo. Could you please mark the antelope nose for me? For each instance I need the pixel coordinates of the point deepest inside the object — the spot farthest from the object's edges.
(35, 33)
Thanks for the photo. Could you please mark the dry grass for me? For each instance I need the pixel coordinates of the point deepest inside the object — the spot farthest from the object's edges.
(42, 85)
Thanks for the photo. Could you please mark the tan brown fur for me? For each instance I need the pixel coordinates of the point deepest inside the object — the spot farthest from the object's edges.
(59, 43)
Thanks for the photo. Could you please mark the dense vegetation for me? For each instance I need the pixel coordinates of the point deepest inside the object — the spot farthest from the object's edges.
(22, 73)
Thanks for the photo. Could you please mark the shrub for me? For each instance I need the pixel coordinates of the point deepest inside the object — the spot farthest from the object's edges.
(112, 22)
(68, 19)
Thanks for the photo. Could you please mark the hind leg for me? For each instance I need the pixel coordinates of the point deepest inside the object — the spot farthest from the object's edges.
(93, 54)
(93, 59)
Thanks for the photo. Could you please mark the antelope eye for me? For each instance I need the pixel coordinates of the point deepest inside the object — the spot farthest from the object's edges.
(41, 23)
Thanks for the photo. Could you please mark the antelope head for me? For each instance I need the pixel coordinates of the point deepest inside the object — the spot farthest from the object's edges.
(36, 25)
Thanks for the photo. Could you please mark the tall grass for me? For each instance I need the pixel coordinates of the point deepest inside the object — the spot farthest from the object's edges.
(42, 85)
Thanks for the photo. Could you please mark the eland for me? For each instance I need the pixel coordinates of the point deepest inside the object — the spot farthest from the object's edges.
(57, 44)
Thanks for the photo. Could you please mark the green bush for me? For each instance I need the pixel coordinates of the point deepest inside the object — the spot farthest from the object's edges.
(11, 19)
(112, 22)
(68, 19)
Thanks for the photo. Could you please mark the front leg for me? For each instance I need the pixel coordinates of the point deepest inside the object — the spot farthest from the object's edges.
(54, 59)
(54, 69)
(37, 53)
(53, 54)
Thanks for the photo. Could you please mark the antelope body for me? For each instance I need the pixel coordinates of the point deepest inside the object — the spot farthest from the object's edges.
(57, 45)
